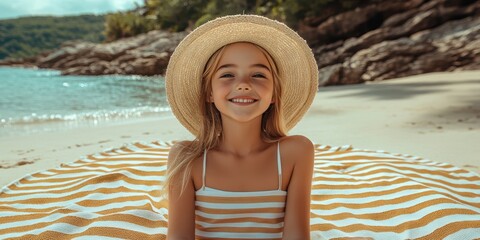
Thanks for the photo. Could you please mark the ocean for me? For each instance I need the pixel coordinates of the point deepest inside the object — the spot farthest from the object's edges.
(33, 100)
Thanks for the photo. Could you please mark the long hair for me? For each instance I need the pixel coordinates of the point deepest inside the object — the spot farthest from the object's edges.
(209, 134)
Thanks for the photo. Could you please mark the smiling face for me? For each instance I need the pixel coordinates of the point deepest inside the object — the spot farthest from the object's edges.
(242, 84)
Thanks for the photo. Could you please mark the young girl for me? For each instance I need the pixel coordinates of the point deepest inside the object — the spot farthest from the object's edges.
(239, 83)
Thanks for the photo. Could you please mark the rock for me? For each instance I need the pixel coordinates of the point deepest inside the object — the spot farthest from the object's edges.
(436, 35)
(79, 62)
(366, 19)
(64, 52)
(330, 75)
(146, 54)
(125, 58)
(98, 67)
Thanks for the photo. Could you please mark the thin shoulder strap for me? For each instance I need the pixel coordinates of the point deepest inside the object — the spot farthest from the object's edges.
(279, 165)
(204, 166)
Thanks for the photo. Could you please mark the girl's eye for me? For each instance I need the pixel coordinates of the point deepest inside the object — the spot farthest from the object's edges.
(258, 75)
(226, 75)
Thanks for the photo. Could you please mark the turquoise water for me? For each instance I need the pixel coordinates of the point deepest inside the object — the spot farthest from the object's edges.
(38, 97)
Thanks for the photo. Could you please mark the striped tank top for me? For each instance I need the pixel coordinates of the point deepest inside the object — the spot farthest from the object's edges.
(240, 215)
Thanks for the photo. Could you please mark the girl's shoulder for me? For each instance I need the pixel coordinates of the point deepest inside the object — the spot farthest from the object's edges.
(296, 143)
(297, 148)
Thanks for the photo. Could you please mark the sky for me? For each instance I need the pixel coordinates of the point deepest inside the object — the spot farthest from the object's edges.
(20, 8)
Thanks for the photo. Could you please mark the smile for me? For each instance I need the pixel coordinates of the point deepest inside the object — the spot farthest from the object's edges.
(242, 100)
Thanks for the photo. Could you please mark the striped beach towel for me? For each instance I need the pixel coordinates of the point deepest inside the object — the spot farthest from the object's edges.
(356, 193)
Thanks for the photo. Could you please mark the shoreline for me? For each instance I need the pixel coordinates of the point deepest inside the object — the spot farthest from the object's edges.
(435, 116)
(39, 127)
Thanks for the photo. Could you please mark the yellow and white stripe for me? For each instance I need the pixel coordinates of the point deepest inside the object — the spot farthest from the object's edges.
(356, 192)
(239, 215)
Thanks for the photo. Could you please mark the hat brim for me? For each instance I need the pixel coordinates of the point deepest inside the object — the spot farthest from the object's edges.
(298, 70)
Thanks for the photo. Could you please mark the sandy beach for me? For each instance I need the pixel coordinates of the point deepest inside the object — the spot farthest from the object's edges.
(434, 116)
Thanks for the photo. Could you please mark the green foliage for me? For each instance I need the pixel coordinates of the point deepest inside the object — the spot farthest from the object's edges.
(29, 36)
(178, 15)
(121, 25)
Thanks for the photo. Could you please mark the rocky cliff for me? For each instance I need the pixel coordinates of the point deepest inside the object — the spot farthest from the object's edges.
(395, 39)
(375, 42)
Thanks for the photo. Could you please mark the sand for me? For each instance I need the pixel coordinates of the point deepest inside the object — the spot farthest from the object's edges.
(434, 116)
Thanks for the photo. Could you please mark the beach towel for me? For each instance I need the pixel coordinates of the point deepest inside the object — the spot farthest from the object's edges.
(115, 194)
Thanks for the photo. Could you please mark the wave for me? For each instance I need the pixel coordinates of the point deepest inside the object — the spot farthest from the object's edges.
(104, 115)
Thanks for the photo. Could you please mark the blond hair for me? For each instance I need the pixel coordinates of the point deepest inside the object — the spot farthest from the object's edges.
(273, 126)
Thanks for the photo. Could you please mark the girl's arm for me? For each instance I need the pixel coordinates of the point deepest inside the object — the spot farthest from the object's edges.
(297, 212)
(181, 208)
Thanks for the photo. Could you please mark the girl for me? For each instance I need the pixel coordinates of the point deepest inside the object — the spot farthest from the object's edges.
(239, 83)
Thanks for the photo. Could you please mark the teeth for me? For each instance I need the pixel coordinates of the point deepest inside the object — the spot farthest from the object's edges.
(240, 100)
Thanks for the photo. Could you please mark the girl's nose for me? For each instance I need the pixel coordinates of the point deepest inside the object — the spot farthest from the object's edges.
(243, 83)
(240, 88)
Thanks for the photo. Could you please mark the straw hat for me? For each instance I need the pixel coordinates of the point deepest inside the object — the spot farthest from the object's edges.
(294, 58)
